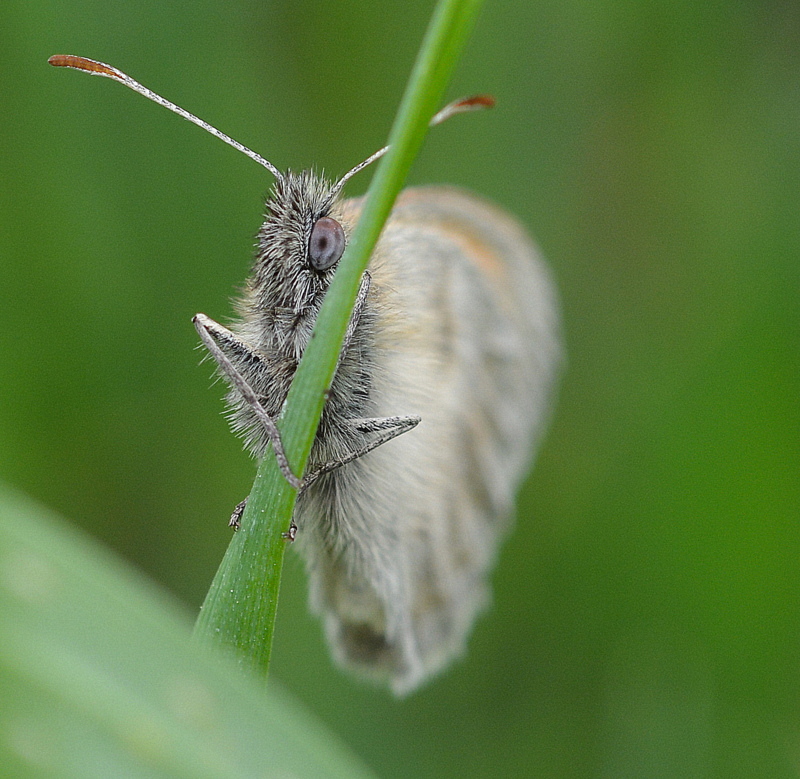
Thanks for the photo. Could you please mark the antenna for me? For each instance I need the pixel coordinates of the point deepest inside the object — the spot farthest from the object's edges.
(101, 69)
(461, 106)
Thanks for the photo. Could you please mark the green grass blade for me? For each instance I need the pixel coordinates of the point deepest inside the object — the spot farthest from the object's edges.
(99, 676)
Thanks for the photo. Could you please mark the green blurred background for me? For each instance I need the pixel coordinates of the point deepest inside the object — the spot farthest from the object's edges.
(646, 608)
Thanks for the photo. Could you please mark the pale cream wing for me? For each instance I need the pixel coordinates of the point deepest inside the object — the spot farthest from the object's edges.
(469, 340)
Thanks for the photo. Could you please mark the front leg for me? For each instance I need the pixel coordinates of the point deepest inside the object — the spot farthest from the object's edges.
(358, 308)
(221, 343)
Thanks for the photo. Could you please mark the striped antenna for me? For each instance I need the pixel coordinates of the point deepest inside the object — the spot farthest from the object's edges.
(101, 69)
(461, 106)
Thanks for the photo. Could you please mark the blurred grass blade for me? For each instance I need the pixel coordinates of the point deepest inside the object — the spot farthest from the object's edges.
(99, 677)
(239, 610)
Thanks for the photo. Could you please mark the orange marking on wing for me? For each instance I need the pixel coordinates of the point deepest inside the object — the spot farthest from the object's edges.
(476, 249)
(479, 251)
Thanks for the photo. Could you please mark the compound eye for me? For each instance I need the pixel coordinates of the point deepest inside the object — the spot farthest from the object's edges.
(326, 245)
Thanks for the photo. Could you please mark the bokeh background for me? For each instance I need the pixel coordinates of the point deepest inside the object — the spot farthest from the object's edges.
(645, 621)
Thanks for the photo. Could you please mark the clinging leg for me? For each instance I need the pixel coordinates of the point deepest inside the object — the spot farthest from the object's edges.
(210, 332)
(387, 428)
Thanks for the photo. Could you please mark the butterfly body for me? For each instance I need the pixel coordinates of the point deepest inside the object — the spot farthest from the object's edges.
(453, 343)
(459, 327)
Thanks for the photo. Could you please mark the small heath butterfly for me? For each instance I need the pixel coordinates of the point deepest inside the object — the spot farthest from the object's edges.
(454, 342)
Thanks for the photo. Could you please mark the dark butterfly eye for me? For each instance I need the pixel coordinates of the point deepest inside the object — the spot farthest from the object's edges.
(326, 245)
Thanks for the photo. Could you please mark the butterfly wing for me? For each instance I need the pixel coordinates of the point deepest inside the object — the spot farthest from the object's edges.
(465, 333)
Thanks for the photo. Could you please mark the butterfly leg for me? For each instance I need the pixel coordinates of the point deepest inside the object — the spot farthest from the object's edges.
(221, 342)
(358, 308)
(387, 428)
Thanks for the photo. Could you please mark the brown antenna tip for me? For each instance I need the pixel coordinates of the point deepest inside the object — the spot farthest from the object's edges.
(82, 63)
(476, 102)
(94, 68)
(462, 106)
